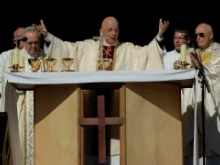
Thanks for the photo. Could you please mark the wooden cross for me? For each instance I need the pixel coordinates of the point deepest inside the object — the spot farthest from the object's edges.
(101, 121)
(101, 38)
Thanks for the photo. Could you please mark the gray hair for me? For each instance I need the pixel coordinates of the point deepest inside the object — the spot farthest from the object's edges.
(31, 29)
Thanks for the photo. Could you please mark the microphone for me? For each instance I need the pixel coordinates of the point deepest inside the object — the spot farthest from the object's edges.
(193, 43)
(201, 72)
(17, 42)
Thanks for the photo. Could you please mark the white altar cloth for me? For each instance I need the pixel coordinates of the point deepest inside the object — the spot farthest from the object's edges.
(99, 77)
(30, 80)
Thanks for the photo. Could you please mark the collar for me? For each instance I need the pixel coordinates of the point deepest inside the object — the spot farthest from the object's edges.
(178, 51)
(209, 49)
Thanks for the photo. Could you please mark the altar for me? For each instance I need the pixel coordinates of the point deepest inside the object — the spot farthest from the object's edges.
(148, 121)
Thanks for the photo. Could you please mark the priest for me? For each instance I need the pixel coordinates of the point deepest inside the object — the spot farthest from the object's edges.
(124, 56)
(25, 108)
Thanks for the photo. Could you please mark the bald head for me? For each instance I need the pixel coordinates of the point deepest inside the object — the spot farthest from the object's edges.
(17, 35)
(204, 35)
(205, 27)
(110, 28)
(108, 20)
(18, 32)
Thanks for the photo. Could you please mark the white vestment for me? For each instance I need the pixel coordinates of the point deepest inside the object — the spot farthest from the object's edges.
(25, 108)
(172, 56)
(127, 55)
(211, 65)
(168, 61)
(3, 56)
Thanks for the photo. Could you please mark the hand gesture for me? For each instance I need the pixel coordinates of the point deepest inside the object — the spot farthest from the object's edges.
(41, 28)
(163, 25)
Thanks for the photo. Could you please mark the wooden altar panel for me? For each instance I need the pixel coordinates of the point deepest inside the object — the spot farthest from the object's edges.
(57, 138)
(153, 124)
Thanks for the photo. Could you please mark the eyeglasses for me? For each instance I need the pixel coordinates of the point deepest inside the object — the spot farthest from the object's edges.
(31, 43)
(201, 34)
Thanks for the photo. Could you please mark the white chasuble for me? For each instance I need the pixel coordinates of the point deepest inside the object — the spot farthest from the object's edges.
(210, 59)
(25, 106)
(127, 55)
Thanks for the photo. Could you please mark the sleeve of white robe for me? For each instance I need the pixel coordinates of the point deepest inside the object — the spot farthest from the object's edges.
(134, 57)
(3, 57)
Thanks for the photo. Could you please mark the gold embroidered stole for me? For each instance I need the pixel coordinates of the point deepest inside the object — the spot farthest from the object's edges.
(205, 57)
(28, 111)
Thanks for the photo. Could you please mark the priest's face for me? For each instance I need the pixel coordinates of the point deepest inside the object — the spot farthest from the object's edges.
(204, 36)
(18, 35)
(179, 39)
(32, 45)
(110, 29)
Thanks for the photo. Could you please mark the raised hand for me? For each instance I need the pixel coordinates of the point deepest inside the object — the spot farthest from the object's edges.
(41, 28)
(163, 25)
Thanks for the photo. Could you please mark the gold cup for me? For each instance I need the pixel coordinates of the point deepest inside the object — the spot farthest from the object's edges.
(50, 62)
(104, 65)
(35, 64)
(67, 62)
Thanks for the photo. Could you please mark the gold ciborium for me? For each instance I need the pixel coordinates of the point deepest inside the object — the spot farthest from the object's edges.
(67, 62)
(35, 64)
(16, 68)
(184, 65)
(50, 62)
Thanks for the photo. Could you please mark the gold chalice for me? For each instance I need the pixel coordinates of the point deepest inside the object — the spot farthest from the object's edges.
(35, 64)
(67, 62)
(104, 64)
(50, 62)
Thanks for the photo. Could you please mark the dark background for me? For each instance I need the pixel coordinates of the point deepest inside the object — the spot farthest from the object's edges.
(79, 20)
(138, 20)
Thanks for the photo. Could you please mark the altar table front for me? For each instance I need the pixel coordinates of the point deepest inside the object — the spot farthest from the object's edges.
(152, 132)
